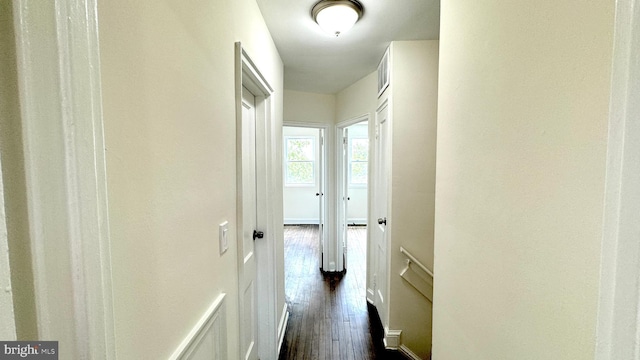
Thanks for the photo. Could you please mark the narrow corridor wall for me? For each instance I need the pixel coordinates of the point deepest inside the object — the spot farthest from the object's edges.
(414, 103)
(522, 132)
(168, 75)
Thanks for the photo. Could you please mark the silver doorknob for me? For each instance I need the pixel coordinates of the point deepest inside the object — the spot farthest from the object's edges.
(382, 221)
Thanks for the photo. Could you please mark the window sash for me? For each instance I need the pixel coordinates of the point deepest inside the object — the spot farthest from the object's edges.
(358, 181)
(301, 171)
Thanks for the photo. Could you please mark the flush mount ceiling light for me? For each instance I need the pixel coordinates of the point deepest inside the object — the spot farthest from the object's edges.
(336, 16)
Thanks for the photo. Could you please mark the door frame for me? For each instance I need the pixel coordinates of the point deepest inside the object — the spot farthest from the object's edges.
(341, 177)
(325, 257)
(248, 75)
(618, 329)
(7, 316)
(58, 62)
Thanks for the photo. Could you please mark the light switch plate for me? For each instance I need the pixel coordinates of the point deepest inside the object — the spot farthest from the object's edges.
(223, 237)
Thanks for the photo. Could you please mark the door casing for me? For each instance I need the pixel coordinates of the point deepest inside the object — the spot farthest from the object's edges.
(249, 76)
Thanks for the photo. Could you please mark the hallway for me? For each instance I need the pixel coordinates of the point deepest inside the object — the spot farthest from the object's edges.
(329, 317)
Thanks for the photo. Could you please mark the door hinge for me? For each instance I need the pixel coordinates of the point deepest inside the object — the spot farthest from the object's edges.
(344, 140)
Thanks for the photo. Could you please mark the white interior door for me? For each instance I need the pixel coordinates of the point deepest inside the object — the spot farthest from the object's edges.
(320, 195)
(248, 311)
(380, 229)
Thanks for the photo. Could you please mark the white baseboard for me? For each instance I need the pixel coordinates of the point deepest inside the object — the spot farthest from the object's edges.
(392, 339)
(210, 332)
(301, 221)
(282, 327)
(408, 353)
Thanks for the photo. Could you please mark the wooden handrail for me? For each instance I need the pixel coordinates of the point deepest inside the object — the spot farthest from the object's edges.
(415, 261)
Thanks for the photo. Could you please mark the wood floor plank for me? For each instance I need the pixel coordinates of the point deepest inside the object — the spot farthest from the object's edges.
(329, 316)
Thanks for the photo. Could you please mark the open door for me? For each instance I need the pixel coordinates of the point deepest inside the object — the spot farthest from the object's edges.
(320, 195)
(381, 229)
(344, 199)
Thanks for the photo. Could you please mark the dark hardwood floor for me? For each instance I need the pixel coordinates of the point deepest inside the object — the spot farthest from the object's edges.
(329, 315)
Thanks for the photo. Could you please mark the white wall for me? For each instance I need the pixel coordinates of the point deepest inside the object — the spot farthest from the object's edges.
(522, 132)
(309, 107)
(413, 94)
(170, 126)
(358, 99)
(301, 205)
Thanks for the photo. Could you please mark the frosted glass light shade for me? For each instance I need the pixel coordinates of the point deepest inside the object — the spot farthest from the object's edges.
(336, 17)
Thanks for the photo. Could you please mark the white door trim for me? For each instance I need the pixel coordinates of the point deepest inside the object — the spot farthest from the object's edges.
(7, 316)
(618, 333)
(249, 76)
(61, 108)
(353, 121)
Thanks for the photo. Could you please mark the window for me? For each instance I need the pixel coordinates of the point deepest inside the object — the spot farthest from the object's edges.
(383, 73)
(300, 161)
(358, 159)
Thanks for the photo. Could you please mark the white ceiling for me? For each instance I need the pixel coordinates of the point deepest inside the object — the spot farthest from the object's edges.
(317, 62)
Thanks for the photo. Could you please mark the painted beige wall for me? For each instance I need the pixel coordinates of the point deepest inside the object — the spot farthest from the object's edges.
(13, 177)
(413, 95)
(170, 125)
(523, 108)
(309, 107)
(358, 99)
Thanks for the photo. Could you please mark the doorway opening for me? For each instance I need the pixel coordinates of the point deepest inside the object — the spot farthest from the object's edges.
(329, 314)
(303, 192)
(353, 180)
